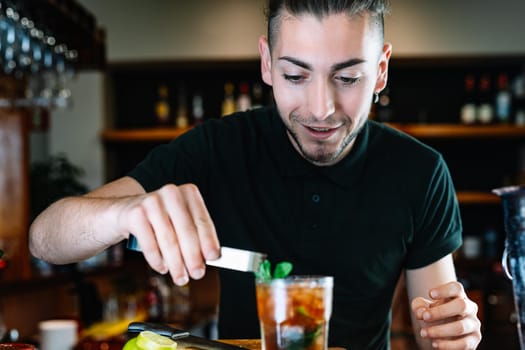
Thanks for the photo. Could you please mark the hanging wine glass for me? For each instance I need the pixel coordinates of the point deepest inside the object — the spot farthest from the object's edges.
(25, 54)
(10, 41)
(29, 49)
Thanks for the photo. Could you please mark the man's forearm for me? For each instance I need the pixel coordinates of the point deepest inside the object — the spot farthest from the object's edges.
(73, 229)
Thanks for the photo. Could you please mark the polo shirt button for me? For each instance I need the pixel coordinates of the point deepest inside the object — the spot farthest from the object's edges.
(316, 198)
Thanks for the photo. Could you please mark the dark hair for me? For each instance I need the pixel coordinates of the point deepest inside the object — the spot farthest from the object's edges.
(321, 8)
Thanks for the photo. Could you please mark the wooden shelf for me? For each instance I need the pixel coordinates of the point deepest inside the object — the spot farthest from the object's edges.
(457, 131)
(424, 131)
(477, 197)
(142, 135)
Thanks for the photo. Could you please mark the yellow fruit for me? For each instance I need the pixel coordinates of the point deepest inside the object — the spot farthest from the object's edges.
(147, 340)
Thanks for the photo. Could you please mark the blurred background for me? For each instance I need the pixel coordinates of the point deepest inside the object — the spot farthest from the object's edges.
(124, 76)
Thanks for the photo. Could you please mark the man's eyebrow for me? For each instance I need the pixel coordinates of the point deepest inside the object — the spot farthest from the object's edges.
(296, 62)
(348, 63)
(335, 67)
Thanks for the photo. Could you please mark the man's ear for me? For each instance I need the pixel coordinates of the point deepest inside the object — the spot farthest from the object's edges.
(266, 60)
(382, 73)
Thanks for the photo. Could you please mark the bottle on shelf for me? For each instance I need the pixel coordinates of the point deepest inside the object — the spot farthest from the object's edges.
(180, 301)
(257, 95)
(468, 109)
(490, 240)
(503, 99)
(197, 104)
(228, 104)
(244, 101)
(485, 111)
(518, 92)
(383, 111)
(154, 300)
(162, 107)
(182, 120)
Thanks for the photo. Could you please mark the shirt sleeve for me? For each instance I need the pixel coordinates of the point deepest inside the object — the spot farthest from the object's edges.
(437, 226)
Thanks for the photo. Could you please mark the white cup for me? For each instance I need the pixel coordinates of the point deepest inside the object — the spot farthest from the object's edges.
(58, 334)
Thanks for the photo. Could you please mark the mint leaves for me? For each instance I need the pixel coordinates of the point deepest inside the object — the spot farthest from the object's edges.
(282, 269)
(264, 274)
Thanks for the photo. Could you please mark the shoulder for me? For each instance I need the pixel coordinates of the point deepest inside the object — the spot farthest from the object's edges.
(403, 160)
(400, 147)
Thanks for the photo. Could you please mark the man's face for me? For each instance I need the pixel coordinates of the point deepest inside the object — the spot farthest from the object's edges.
(324, 73)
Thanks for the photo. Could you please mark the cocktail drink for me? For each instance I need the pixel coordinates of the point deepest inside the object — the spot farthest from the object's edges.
(294, 312)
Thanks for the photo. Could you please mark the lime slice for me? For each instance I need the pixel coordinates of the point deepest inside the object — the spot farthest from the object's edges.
(148, 340)
(131, 344)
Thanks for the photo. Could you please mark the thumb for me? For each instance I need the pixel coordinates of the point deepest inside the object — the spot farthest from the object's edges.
(419, 305)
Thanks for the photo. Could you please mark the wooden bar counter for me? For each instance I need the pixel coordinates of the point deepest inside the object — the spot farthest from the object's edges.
(253, 344)
(250, 344)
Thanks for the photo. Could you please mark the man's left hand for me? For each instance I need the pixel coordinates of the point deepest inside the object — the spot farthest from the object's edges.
(449, 318)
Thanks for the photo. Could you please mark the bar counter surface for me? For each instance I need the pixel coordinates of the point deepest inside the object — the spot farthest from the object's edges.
(254, 344)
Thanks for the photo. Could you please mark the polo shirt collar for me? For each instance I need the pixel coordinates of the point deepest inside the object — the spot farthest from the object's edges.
(291, 163)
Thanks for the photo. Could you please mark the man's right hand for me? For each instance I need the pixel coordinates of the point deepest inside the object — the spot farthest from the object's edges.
(172, 226)
(174, 230)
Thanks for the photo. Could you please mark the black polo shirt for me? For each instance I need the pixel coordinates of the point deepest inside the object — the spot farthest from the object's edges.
(388, 205)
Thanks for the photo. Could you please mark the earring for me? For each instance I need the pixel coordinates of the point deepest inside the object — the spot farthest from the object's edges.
(376, 97)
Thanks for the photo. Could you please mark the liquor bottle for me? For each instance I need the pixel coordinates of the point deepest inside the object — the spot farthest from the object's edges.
(154, 300)
(383, 111)
(197, 108)
(228, 104)
(485, 111)
(162, 107)
(244, 101)
(468, 110)
(518, 92)
(182, 120)
(181, 303)
(257, 94)
(503, 99)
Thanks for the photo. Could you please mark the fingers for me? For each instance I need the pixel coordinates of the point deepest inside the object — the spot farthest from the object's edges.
(449, 300)
(175, 231)
(418, 305)
(182, 248)
(139, 224)
(447, 290)
(457, 328)
(464, 343)
(205, 228)
(460, 306)
(449, 318)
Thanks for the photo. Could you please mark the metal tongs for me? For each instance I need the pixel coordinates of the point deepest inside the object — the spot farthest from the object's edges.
(231, 258)
(184, 339)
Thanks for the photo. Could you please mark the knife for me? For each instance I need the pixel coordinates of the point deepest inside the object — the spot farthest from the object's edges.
(183, 338)
(231, 258)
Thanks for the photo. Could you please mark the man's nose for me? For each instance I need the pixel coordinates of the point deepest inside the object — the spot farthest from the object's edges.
(321, 100)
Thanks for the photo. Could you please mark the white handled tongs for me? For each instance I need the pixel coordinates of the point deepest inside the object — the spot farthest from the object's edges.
(231, 258)
(238, 259)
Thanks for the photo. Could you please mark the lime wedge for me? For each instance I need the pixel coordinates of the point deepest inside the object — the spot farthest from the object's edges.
(148, 340)
(131, 344)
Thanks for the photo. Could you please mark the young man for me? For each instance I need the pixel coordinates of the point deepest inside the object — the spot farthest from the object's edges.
(313, 182)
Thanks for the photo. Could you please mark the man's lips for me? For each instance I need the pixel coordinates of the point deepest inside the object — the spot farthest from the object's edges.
(320, 132)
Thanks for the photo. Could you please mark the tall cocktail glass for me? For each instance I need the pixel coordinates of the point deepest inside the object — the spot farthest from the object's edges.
(294, 312)
(513, 203)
